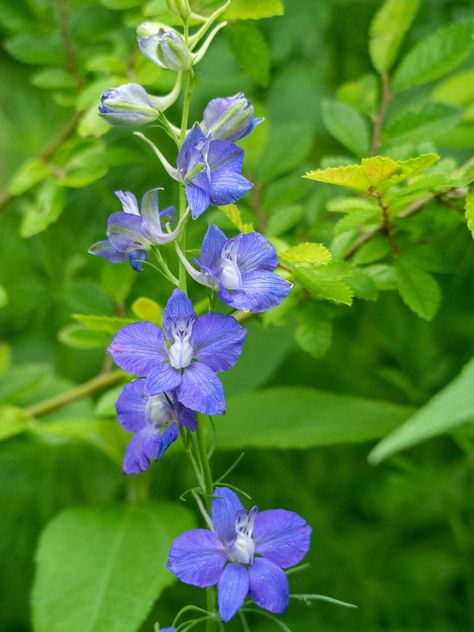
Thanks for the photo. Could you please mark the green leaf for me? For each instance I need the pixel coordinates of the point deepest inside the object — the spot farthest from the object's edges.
(348, 126)
(314, 330)
(103, 568)
(147, 309)
(362, 94)
(470, 210)
(30, 173)
(52, 79)
(375, 249)
(282, 219)
(253, 9)
(288, 417)
(356, 219)
(288, 147)
(449, 408)
(251, 51)
(387, 31)
(419, 122)
(418, 288)
(326, 283)
(232, 212)
(105, 324)
(118, 281)
(47, 208)
(36, 49)
(77, 336)
(121, 4)
(3, 297)
(436, 56)
(456, 90)
(5, 358)
(13, 421)
(306, 252)
(91, 124)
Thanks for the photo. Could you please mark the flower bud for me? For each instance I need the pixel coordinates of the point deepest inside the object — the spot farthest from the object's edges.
(128, 105)
(230, 118)
(180, 8)
(166, 48)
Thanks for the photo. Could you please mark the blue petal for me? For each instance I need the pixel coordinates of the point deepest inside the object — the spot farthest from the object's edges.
(143, 447)
(105, 250)
(263, 291)
(185, 416)
(255, 252)
(168, 436)
(178, 308)
(211, 248)
(232, 590)
(225, 506)
(125, 232)
(197, 557)
(281, 536)
(198, 194)
(268, 586)
(136, 259)
(189, 153)
(162, 378)
(138, 347)
(228, 187)
(201, 390)
(131, 406)
(150, 212)
(217, 340)
(224, 155)
(129, 201)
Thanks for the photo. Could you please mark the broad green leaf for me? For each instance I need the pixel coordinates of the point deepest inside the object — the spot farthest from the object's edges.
(329, 282)
(52, 79)
(456, 90)
(449, 408)
(314, 330)
(306, 252)
(105, 406)
(46, 209)
(420, 122)
(384, 276)
(363, 284)
(363, 94)
(351, 204)
(105, 324)
(36, 49)
(288, 147)
(356, 219)
(147, 309)
(101, 569)
(470, 210)
(290, 417)
(91, 124)
(253, 9)
(439, 53)
(250, 50)
(30, 173)
(413, 166)
(77, 336)
(232, 212)
(282, 219)
(13, 421)
(348, 126)
(418, 288)
(21, 383)
(387, 31)
(375, 249)
(118, 281)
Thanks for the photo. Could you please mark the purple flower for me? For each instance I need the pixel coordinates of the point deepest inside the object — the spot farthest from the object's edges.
(165, 48)
(186, 358)
(131, 233)
(230, 118)
(241, 269)
(167, 629)
(154, 419)
(128, 105)
(211, 171)
(244, 554)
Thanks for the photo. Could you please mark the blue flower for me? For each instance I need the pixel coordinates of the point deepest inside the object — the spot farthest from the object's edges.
(186, 358)
(128, 105)
(241, 269)
(211, 171)
(131, 233)
(244, 554)
(165, 48)
(230, 118)
(154, 419)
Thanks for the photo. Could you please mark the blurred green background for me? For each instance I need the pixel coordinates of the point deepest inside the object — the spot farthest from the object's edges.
(395, 539)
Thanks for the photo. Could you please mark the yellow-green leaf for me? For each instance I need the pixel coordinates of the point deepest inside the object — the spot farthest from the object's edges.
(147, 309)
(107, 324)
(470, 210)
(307, 252)
(13, 421)
(232, 213)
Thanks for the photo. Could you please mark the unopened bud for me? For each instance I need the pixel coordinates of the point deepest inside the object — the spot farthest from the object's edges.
(166, 48)
(230, 118)
(180, 8)
(128, 105)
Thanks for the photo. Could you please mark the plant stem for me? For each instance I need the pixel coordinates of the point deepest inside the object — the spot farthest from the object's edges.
(182, 193)
(380, 116)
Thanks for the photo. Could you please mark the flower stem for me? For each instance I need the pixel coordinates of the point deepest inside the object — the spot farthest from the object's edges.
(182, 193)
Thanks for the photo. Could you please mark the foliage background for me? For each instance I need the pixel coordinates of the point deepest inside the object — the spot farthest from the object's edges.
(395, 539)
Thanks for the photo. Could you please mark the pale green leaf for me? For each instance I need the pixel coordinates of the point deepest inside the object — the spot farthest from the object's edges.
(77, 336)
(105, 324)
(439, 53)
(253, 9)
(329, 282)
(348, 126)
(36, 49)
(306, 252)
(470, 210)
(456, 90)
(362, 94)
(449, 408)
(101, 569)
(232, 212)
(5, 358)
(147, 309)
(418, 288)
(13, 421)
(30, 173)
(48, 206)
(53, 79)
(250, 50)
(356, 219)
(387, 31)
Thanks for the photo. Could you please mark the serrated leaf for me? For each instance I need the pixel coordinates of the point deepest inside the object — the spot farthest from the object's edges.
(13, 421)
(348, 126)
(350, 204)
(449, 408)
(106, 549)
(470, 210)
(250, 50)
(105, 324)
(147, 309)
(439, 53)
(306, 252)
(77, 336)
(325, 283)
(387, 31)
(313, 330)
(420, 122)
(418, 289)
(232, 212)
(28, 175)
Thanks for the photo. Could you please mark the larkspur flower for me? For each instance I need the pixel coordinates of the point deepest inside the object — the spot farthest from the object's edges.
(241, 269)
(128, 105)
(211, 171)
(165, 47)
(230, 118)
(132, 232)
(186, 358)
(244, 554)
(154, 421)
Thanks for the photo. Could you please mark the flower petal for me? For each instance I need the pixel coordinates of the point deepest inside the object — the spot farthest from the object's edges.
(217, 340)
(105, 250)
(150, 212)
(225, 506)
(281, 536)
(168, 436)
(128, 199)
(178, 308)
(223, 154)
(136, 259)
(201, 390)
(261, 291)
(228, 186)
(197, 557)
(185, 416)
(268, 586)
(162, 378)
(232, 589)
(198, 195)
(125, 232)
(131, 406)
(188, 154)
(211, 248)
(143, 447)
(138, 347)
(255, 252)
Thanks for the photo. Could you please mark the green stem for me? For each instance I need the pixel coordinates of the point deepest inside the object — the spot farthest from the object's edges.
(182, 193)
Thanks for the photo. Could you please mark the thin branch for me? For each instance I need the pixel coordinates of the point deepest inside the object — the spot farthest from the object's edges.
(71, 62)
(379, 118)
